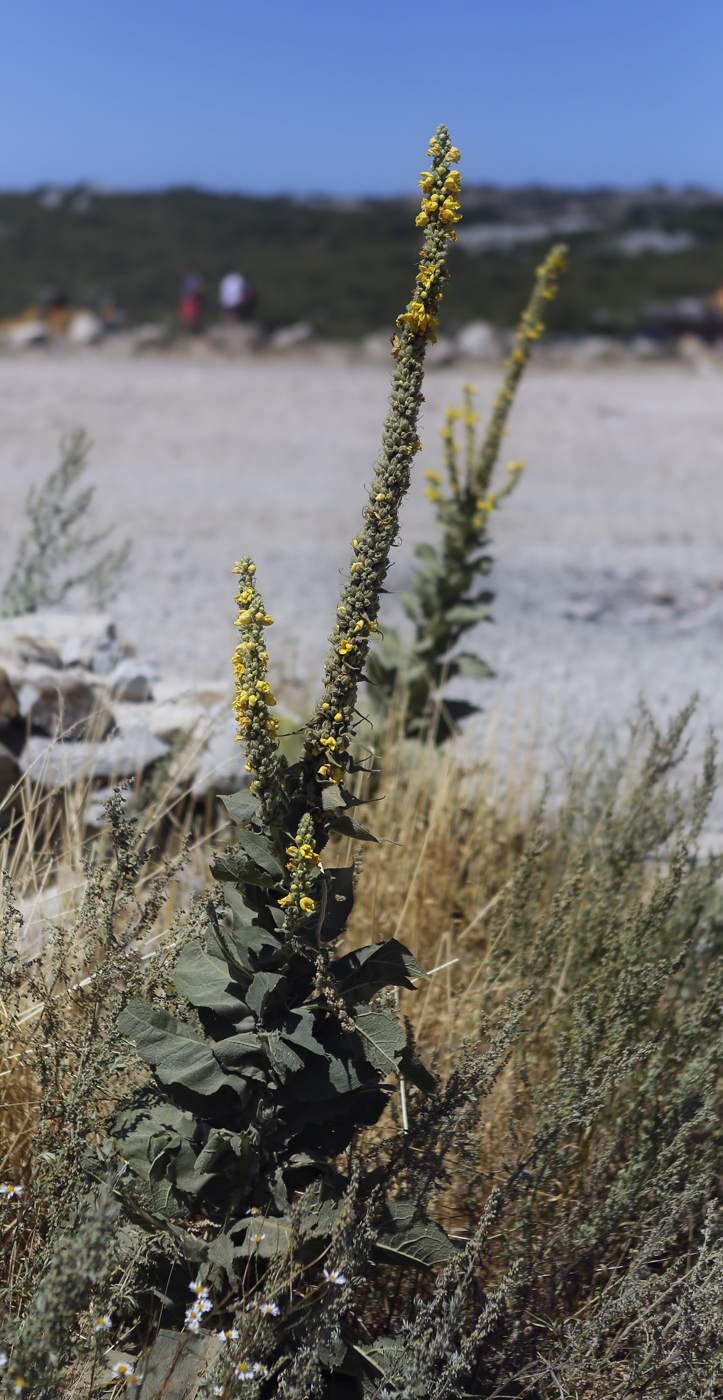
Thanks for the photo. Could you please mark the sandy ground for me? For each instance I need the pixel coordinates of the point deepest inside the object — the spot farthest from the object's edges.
(610, 562)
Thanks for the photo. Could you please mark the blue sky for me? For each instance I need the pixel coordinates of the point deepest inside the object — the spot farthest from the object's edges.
(340, 96)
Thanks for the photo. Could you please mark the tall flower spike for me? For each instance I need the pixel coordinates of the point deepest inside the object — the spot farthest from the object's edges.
(257, 728)
(356, 620)
(529, 329)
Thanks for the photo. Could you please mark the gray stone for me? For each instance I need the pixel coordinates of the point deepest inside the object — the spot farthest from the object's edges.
(176, 1363)
(9, 707)
(55, 763)
(10, 771)
(131, 679)
(67, 706)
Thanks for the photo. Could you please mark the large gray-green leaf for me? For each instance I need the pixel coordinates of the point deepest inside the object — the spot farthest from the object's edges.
(383, 1039)
(205, 981)
(465, 614)
(242, 806)
(332, 799)
(387, 964)
(268, 989)
(234, 866)
(466, 664)
(175, 1052)
(259, 849)
(346, 826)
(240, 1054)
(405, 1238)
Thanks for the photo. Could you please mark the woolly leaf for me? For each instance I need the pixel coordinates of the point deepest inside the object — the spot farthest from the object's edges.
(204, 981)
(242, 806)
(267, 989)
(406, 1239)
(232, 866)
(339, 900)
(346, 826)
(465, 615)
(466, 664)
(177, 1055)
(383, 1039)
(331, 798)
(260, 850)
(387, 964)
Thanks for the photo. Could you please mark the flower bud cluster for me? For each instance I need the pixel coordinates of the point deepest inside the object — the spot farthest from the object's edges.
(328, 731)
(253, 701)
(299, 902)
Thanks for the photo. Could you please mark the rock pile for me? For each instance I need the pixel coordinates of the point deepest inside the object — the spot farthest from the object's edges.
(76, 703)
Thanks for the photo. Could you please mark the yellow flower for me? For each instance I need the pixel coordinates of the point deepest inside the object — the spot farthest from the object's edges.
(244, 597)
(427, 181)
(422, 220)
(307, 904)
(453, 154)
(237, 568)
(359, 626)
(243, 619)
(338, 717)
(308, 852)
(329, 743)
(336, 775)
(267, 621)
(453, 182)
(286, 900)
(345, 647)
(324, 770)
(373, 626)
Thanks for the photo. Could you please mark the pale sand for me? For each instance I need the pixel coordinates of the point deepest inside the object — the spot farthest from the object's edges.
(201, 462)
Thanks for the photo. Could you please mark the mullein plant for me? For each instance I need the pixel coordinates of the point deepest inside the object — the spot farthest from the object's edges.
(287, 1050)
(447, 600)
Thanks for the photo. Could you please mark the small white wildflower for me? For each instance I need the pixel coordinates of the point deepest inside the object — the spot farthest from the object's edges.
(204, 1305)
(269, 1309)
(217, 1390)
(334, 1276)
(199, 1288)
(102, 1323)
(3, 1360)
(254, 1211)
(19, 1384)
(256, 1239)
(246, 1370)
(231, 1335)
(17, 1191)
(124, 1372)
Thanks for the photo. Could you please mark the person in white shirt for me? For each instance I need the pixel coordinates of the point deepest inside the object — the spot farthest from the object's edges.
(231, 295)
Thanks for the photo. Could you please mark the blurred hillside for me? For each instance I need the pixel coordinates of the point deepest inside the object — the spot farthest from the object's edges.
(346, 266)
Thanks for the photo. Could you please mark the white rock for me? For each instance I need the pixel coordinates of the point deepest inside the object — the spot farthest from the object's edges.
(479, 340)
(53, 763)
(25, 334)
(85, 329)
(287, 337)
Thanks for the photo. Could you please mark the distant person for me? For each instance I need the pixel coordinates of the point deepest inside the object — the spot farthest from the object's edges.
(190, 303)
(236, 297)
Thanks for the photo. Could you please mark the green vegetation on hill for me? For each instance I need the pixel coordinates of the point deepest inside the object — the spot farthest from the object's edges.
(345, 266)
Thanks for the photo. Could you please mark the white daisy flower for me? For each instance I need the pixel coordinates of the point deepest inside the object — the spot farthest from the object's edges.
(231, 1335)
(124, 1372)
(102, 1323)
(334, 1276)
